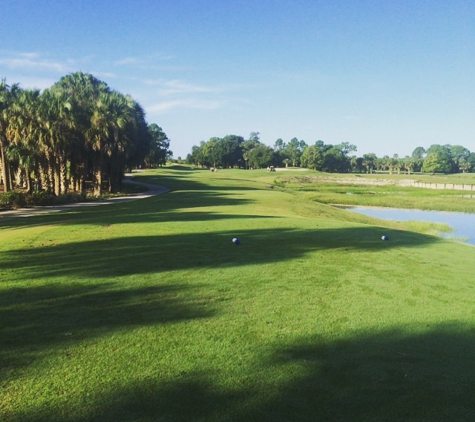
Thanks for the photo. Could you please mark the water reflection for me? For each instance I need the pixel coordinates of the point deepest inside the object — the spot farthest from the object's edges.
(463, 224)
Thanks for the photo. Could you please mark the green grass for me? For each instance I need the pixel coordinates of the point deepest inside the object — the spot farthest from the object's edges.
(350, 190)
(146, 311)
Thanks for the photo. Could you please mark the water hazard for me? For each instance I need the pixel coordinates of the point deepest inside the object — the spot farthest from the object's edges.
(462, 223)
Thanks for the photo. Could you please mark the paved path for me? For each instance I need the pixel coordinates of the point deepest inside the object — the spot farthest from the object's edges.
(28, 212)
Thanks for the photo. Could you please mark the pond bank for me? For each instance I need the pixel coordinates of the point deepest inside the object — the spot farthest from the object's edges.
(462, 223)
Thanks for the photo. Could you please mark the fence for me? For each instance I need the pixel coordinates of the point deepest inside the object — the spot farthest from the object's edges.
(447, 186)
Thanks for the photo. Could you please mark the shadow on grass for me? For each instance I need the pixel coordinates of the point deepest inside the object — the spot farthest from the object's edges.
(175, 206)
(388, 376)
(114, 257)
(186, 181)
(36, 318)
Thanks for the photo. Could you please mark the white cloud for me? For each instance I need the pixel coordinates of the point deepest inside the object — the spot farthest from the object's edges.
(147, 62)
(32, 61)
(180, 87)
(185, 103)
(127, 61)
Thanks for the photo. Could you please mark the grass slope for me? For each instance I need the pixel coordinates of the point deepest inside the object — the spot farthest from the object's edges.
(146, 311)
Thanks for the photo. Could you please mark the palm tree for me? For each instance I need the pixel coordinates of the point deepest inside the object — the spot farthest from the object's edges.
(111, 115)
(53, 134)
(82, 91)
(7, 97)
(22, 131)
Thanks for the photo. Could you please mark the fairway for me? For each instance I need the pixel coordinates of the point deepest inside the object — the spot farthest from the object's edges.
(148, 311)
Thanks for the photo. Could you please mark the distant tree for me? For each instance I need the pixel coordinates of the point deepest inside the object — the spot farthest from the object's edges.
(383, 163)
(196, 157)
(438, 159)
(408, 164)
(346, 147)
(396, 164)
(261, 156)
(335, 158)
(460, 156)
(418, 156)
(294, 150)
(279, 145)
(248, 146)
(356, 164)
(334, 161)
(231, 151)
(279, 152)
(369, 162)
(212, 152)
(159, 147)
(471, 162)
(312, 157)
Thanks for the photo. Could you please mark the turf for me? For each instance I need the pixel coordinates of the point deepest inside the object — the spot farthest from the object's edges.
(146, 311)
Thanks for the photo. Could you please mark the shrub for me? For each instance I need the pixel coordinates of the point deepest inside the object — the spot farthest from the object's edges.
(12, 200)
(39, 198)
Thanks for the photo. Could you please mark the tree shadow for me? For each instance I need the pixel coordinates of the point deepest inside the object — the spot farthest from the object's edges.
(184, 181)
(175, 206)
(122, 256)
(56, 315)
(386, 376)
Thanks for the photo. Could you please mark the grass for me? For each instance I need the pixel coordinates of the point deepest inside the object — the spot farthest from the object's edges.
(350, 190)
(146, 311)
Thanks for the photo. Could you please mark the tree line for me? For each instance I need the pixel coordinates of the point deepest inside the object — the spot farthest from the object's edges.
(235, 151)
(78, 133)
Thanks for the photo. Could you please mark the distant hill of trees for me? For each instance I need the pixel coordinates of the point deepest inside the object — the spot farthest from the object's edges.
(235, 151)
(77, 131)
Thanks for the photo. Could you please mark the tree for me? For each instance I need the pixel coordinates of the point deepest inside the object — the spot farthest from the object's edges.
(312, 157)
(261, 156)
(335, 158)
(197, 155)
(418, 156)
(248, 146)
(369, 162)
(22, 132)
(230, 148)
(212, 152)
(294, 150)
(438, 159)
(356, 164)
(77, 129)
(8, 95)
(159, 147)
(279, 145)
(460, 156)
(83, 91)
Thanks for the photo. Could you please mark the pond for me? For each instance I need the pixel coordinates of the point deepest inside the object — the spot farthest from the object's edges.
(463, 224)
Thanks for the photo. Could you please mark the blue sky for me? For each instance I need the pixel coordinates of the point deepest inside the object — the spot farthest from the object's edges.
(387, 76)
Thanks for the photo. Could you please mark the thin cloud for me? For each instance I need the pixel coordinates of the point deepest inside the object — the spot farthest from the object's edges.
(127, 61)
(174, 87)
(149, 61)
(32, 61)
(185, 103)
(180, 87)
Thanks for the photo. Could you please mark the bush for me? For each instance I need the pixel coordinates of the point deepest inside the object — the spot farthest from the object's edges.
(13, 200)
(68, 198)
(39, 198)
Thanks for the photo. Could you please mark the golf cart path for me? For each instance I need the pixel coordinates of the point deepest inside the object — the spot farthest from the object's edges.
(153, 190)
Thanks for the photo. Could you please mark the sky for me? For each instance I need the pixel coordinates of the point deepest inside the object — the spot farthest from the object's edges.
(386, 76)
